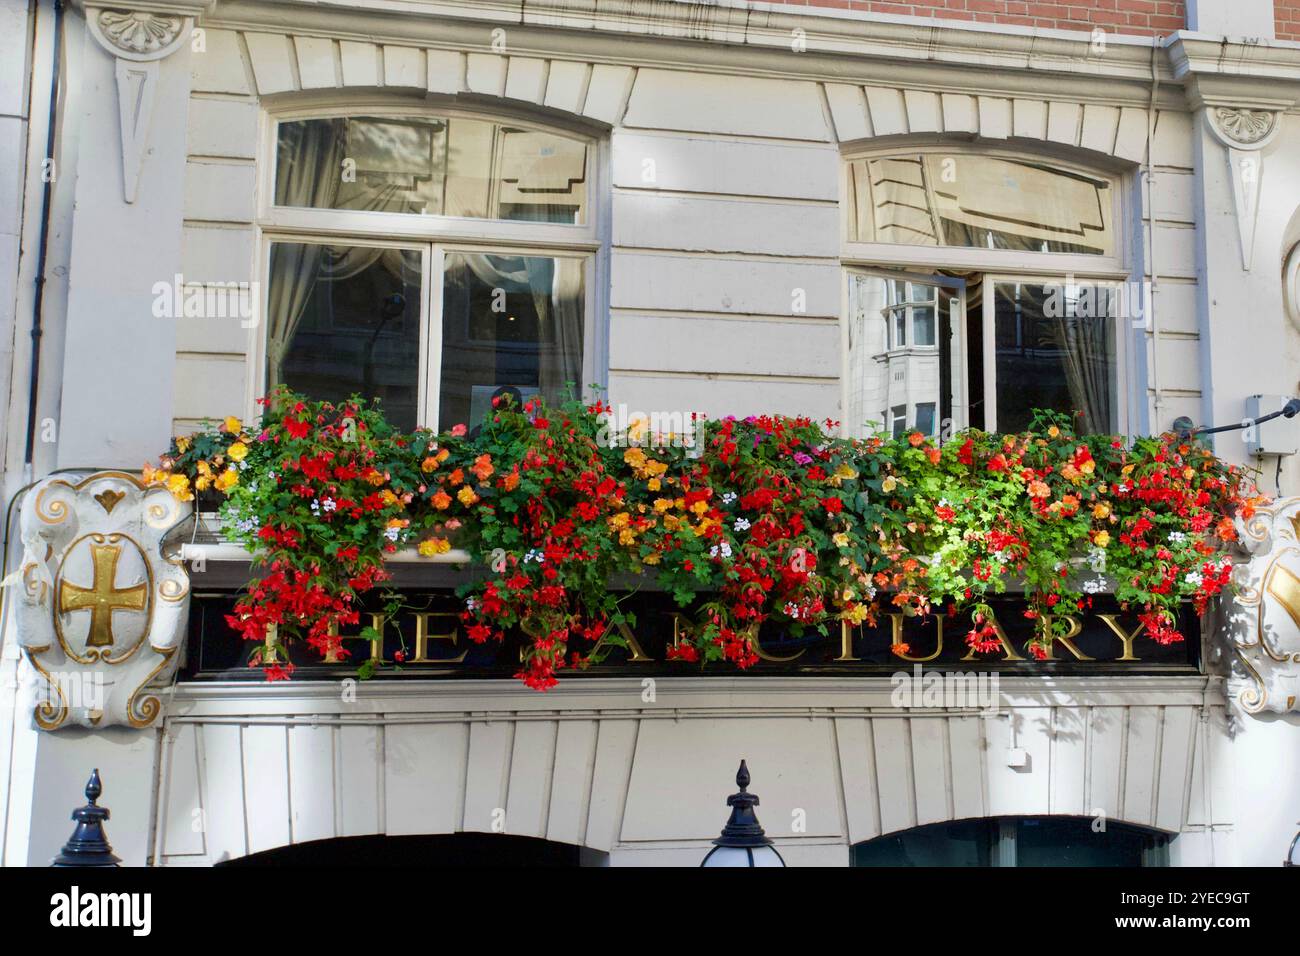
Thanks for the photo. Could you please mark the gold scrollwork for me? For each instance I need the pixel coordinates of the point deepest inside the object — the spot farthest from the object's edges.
(46, 714)
(144, 714)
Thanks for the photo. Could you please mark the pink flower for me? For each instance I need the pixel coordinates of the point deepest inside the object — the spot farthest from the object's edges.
(458, 430)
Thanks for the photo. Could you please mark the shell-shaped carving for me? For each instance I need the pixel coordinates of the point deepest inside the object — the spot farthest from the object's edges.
(138, 31)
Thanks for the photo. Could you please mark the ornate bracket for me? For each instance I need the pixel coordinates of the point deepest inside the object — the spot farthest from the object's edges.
(138, 39)
(100, 611)
(1244, 132)
(1262, 622)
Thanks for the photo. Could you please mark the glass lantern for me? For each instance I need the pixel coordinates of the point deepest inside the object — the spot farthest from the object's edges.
(743, 842)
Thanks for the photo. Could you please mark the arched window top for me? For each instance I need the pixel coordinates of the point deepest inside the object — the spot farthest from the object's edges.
(980, 199)
(449, 165)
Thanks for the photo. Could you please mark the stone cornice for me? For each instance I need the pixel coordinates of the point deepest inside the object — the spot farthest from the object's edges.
(754, 40)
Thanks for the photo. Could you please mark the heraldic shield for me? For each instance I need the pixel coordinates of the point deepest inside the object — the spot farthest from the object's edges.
(100, 611)
(1263, 619)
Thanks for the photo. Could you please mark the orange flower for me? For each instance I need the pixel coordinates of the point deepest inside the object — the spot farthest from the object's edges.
(456, 477)
(429, 464)
(441, 500)
(934, 455)
(482, 467)
(916, 439)
(511, 481)
(1225, 530)
(1038, 489)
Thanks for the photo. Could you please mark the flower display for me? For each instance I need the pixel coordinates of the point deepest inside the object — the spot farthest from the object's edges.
(766, 520)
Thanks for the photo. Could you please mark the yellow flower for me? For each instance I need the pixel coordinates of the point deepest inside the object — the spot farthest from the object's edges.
(663, 504)
(1101, 539)
(843, 472)
(183, 444)
(229, 478)
(627, 536)
(651, 558)
(232, 425)
(654, 484)
(466, 496)
(431, 546)
(700, 507)
(635, 457)
(620, 520)
(202, 483)
(856, 614)
(1100, 510)
(152, 476)
(1054, 432)
(889, 484)
(841, 539)
(179, 486)
(238, 451)
(1088, 467)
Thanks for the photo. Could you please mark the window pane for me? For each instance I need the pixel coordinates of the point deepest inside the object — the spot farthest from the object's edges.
(1055, 347)
(886, 371)
(439, 167)
(344, 320)
(925, 418)
(1071, 842)
(981, 201)
(508, 322)
(964, 843)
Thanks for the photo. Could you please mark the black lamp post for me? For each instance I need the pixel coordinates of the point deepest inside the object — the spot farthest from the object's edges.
(88, 845)
(743, 842)
(1293, 854)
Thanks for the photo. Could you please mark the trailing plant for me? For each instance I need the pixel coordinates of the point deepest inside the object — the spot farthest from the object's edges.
(761, 519)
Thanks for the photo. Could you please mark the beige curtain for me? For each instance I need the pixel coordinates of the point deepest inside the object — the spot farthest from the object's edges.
(307, 173)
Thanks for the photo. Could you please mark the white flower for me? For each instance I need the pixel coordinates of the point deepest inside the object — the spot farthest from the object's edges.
(723, 549)
(1097, 559)
(471, 604)
(535, 555)
(1194, 578)
(729, 497)
(329, 504)
(742, 524)
(392, 533)
(1177, 537)
(1095, 586)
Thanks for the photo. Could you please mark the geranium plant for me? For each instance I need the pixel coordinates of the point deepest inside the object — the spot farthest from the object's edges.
(755, 520)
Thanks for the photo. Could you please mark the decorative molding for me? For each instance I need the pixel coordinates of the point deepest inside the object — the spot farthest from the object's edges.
(138, 34)
(1291, 285)
(1243, 128)
(1243, 131)
(100, 612)
(138, 39)
(1261, 624)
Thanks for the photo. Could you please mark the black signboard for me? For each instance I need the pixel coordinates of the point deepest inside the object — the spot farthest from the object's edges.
(427, 639)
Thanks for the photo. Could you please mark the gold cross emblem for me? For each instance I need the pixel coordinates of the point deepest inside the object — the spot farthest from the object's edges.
(102, 598)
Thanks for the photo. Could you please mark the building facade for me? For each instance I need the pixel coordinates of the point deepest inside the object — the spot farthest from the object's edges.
(857, 211)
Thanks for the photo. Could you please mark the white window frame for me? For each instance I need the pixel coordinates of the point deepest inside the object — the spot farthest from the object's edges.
(920, 258)
(922, 263)
(435, 235)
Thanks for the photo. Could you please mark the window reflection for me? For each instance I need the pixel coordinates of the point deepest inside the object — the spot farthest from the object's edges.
(344, 320)
(935, 199)
(439, 167)
(513, 322)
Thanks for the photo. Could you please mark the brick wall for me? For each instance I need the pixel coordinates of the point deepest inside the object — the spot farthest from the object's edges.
(1138, 17)
(1286, 17)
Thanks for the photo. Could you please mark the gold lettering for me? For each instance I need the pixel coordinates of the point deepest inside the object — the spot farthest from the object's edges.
(639, 656)
(423, 635)
(376, 644)
(764, 655)
(1066, 639)
(846, 642)
(896, 628)
(1009, 651)
(1126, 638)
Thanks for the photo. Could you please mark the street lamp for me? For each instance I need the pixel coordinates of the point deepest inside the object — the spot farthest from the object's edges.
(742, 842)
(88, 845)
(1293, 855)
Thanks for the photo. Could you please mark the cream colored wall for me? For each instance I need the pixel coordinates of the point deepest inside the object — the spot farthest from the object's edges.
(725, 286)
(596, 763)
